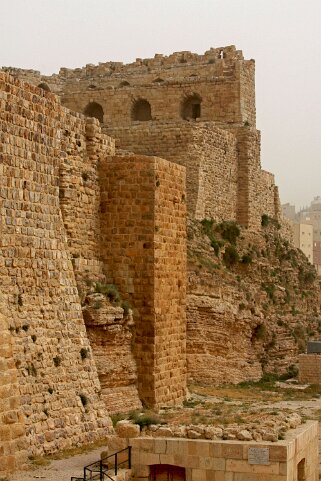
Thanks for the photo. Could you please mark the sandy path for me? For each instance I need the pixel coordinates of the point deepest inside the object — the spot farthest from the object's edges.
(59, 470)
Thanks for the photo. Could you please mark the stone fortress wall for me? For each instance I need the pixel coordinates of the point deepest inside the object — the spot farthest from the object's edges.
(78, 207)
(53, 192)
(195, 110)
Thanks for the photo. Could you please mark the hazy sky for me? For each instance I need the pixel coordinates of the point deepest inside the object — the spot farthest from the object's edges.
(283, 36)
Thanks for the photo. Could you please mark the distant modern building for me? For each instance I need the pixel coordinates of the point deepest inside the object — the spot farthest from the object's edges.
(310, 215)
(303, 239)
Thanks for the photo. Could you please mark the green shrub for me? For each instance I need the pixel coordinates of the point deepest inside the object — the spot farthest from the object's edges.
(108, 290)
(207, 226)
(117, 417)
(246, 259)
(230, 256)
(144, 419)
(126, 306)
(216, 246)
(98, 305)
(230, 231)
(307, 276)
(269, 288)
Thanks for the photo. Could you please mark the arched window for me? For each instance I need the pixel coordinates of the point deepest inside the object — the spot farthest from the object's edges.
(141, 110)
(44, 86)
(124, 83)
(191, 107)
(95, 110)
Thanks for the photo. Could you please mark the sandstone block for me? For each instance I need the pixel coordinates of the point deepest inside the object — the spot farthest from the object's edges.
(126, 429)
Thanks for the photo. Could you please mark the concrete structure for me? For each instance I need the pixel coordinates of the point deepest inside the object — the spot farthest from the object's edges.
(303, 239)
(310, 215)
(294, 459)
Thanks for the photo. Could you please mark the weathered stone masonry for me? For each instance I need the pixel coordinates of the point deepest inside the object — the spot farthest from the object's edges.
(196, 110)
(60, 407)
(143, 224)
(57, 179)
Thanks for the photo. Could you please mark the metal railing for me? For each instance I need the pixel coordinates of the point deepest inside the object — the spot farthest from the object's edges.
(106, 467)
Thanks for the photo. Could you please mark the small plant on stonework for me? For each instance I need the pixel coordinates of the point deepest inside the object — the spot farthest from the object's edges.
(216, 246)
(307, 276)
(230, 256)
(126, 307)
(144, 419)
(108, 290)
(269, 288)
(292, 372)
(85, 176)
(84, 399)
(207, 226)
(57, 361)
(246, 259)
(19, 300)
(83, 353)
(242, 306)
(98, 305)
(117, 417)
(190, 403)
(230, 231)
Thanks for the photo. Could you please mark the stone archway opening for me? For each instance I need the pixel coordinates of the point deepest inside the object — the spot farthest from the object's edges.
(167, 472)
(191, 107)
(142, 110)
(93, 109)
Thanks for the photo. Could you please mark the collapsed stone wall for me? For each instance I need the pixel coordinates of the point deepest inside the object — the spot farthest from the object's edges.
(59, 391)
(143, 227)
